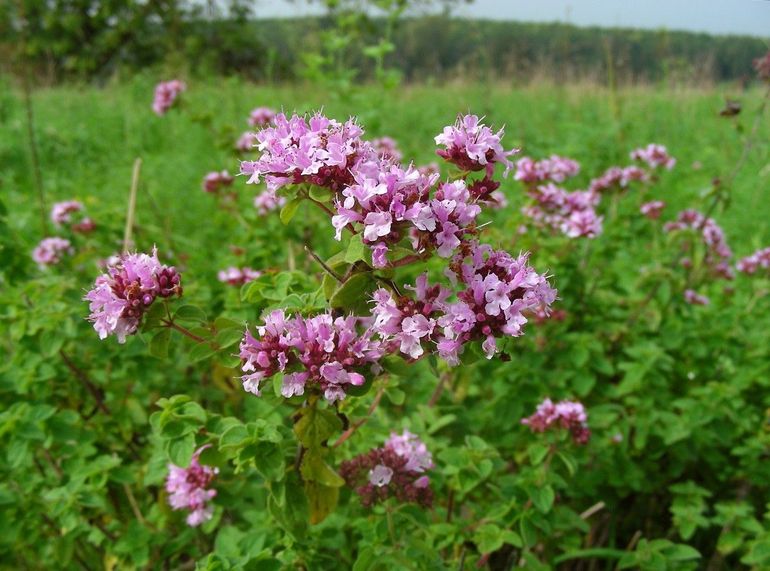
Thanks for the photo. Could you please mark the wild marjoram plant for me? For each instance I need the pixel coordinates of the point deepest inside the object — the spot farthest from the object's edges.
(411, 394)
(397, 217)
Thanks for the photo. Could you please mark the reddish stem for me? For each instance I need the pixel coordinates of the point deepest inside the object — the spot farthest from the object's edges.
(186, 332)
(349, 432)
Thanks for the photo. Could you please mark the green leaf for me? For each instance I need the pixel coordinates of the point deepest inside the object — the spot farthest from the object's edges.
(488, 538)
(353, 294)
(316, 426)
(159, 343)
(595, 553)
(228, 337)
(320, 193)
(542, 498)
(321, 500)
(234, 437)
(315, 469)
(201, 351)
(683, 552)
(180, 450)
(356, 249)
(537, 453)
(269, 460)
(290, 209)
(222, 323)
(190, 313)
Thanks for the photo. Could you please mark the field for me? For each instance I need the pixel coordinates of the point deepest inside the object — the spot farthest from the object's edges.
(674, 475)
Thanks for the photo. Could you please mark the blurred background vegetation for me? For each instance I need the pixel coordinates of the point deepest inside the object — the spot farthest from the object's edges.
(99, 40)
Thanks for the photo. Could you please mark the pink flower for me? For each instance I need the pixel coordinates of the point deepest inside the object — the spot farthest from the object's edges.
(615, 178)
(380, 475)
(654, 156)
(759, 259)
(565, 414)
(261, 117)
(409, 446)
(166, 94)
(377, 224)
(267, 201)
(473, 146)
(120, 297)
(396, 469)
(238, 276)
(318, 351)
(62, 211)
(214, 181)
(694, 298)
(652, 209)
(387, 149)
(718, 253)
(50, 251)
(246, 142)
(85, 226)
(555, 168)
(572, 213)
(188, 489)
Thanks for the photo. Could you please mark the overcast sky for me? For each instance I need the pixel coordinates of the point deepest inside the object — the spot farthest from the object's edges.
(716, 16)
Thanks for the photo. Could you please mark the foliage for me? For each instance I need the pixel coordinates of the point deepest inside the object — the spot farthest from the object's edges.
(674, 476)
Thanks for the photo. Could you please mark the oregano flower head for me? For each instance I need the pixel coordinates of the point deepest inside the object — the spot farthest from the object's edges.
(565, 415)
(166, 94)
(122, 295)
(395, 470)
(188, 489)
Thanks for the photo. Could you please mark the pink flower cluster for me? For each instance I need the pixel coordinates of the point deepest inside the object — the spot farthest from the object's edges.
(694, 298)
(617, 178)
(759, 259)
(472, 146)
(718, 253)
(268, 201)
(387, 149)
(393, 202)
(405, 323)
(50, 251)
(652, 209)
(574, 213)
(188, 489)
(246, 142)
(61, 215)
(567, 415)
(654, 156)
(237, 276)
(316, 352)
(318, 151)
(495, 292)
(261, 116)
(389, 205)
(166, 94)
(571, 213)
(120, 297)
(555, 169)
(397, 469)
(214, 181)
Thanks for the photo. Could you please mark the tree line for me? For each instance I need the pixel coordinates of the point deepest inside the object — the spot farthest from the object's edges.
(61, 40)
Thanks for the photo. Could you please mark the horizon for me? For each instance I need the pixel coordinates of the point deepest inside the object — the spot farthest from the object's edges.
(715, 17)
